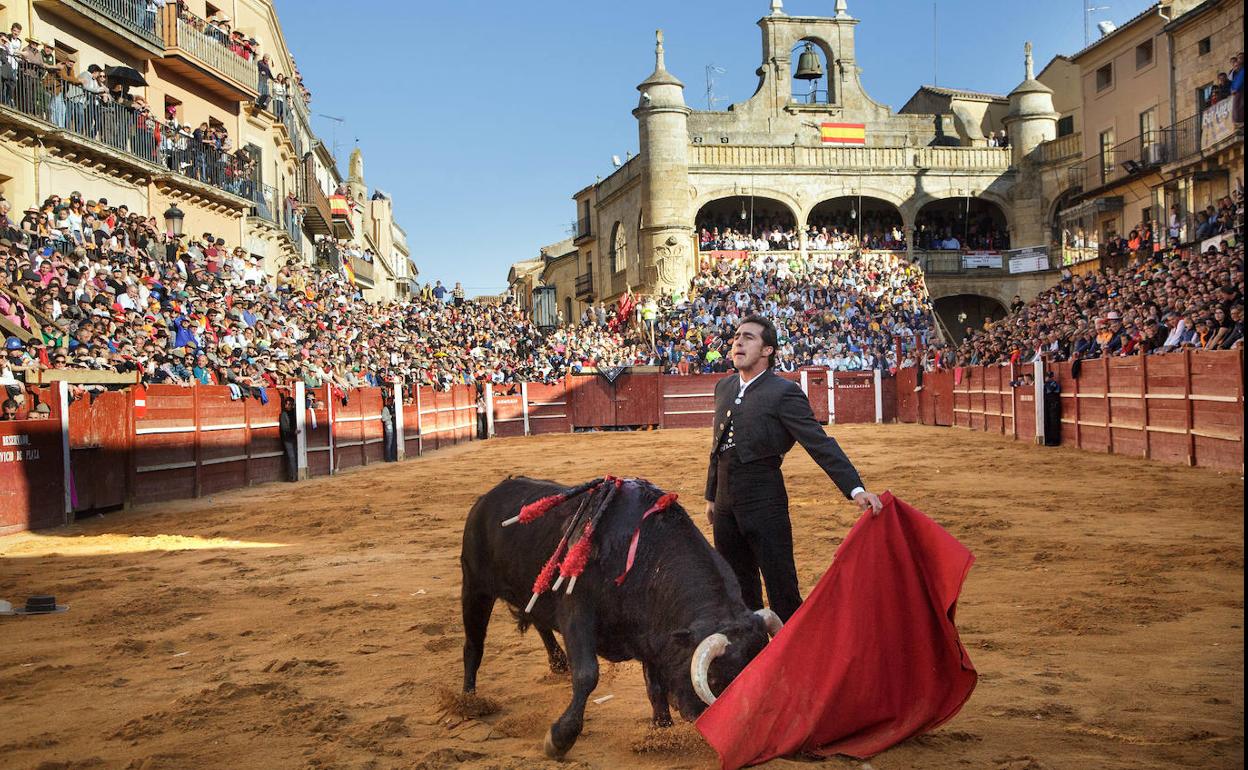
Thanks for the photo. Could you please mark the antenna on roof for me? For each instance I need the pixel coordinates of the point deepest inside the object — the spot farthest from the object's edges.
(1088, 10)
(334, 132)
(711, 71)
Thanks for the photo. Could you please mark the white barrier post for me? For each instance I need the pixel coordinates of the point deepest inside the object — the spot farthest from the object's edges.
(831, 397)
(805, 383)
(489, 410)
(524, 401)
(879, 396)
(399, 441)
(67, 475)
(301, 433)
(420, 425)
(329, 424)
(1038, 376)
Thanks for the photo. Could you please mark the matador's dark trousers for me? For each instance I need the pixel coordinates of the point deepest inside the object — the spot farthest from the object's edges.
(753, 533)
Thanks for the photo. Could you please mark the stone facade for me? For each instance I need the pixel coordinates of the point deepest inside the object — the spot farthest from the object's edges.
(636, 228)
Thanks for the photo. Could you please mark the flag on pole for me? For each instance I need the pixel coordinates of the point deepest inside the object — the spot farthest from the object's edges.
(348, 271)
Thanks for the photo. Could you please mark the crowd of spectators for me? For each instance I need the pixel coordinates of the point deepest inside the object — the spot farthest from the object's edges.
(937, 231)
(1164, 300)
(849, 310)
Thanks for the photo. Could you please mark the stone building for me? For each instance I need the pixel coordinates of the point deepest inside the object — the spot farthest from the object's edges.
(1154, 149)
(276, 204)
(801, 151)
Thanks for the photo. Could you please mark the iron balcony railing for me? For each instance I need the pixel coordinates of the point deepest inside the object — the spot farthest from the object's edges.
(328, 255)
(138, 16)
(264, 202)
(209, 46)
(818, 96)
(584, 227)
(121, 126)
(585, 285)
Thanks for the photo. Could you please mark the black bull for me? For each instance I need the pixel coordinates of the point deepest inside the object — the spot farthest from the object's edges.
(680, 601)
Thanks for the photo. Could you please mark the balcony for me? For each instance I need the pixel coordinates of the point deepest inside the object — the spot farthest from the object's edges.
(264, 202)
(363, 271)
(78, 124)
(317, 216)
(1062, 148)
(583, 229)
(127, 24)
(735, 156)
(585, 286)
(340, 217)
(194, 51)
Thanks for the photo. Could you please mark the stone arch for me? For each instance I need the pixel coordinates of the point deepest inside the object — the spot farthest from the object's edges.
(764, 209)
(875, 219)
(959, 311)
(617, 248)
(1063, 201)
(977, 222)
(824, 84)
(701, 199)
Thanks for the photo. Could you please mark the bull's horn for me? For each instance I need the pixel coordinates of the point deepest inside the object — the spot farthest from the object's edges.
(700, 666)
(771, 619)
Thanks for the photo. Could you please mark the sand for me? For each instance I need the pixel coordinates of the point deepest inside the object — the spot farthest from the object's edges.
(317, 625)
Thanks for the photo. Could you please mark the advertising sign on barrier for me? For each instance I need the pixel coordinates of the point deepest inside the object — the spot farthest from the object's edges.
(976, 259)
(1029, 260)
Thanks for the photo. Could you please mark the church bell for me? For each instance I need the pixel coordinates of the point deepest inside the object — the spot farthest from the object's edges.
(808, 65)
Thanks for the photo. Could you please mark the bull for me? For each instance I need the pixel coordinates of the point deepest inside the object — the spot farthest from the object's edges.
(678, 609)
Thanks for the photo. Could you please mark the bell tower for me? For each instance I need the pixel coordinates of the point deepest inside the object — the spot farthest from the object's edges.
(665, 250)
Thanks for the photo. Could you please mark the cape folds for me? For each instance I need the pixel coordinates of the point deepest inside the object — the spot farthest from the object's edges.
(870, 659)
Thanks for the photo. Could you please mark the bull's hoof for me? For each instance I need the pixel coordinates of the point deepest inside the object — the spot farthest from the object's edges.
(662, 721)
(550, 748)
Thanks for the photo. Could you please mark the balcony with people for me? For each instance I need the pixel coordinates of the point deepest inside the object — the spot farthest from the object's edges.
(99, 112)
(131, 25)
(210, 52)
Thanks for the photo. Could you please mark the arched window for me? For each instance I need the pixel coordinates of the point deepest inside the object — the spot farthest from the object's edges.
(619, 248)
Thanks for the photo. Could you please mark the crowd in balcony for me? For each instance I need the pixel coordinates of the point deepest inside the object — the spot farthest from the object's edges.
(971, 231)
(878, 231)
(1166, 299)
(764, 236)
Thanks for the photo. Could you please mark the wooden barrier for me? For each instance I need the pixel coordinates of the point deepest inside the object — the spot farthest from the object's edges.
(853, 397)
(633, 400)
(1183, 407)
(689, 402)
(33, 488)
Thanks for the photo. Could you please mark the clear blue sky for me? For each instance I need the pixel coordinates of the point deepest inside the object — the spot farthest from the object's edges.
(482, 118)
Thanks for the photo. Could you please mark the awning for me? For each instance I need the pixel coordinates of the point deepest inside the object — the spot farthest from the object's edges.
(1090, 207)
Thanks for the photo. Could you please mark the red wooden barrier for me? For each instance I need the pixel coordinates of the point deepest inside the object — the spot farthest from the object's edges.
(633, 400)
(906, 396)
(1186, 408)
(509, 410)
(854, 397)
(32, 472)
(548, 408)
(689, 402)
(317, 429)
(411, 430)
(165, 462)
(99, 450)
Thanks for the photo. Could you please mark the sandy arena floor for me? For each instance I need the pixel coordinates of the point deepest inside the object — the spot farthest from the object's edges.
(314, 625)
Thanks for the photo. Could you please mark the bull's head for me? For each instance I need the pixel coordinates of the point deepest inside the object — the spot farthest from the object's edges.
(719, 657)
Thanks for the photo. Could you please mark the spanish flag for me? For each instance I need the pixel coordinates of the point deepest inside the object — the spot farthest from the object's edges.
(843, 133)
(347, 269)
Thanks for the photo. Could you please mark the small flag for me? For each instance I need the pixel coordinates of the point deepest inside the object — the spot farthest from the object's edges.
(612, 373)
(843, 133)
(350, 273)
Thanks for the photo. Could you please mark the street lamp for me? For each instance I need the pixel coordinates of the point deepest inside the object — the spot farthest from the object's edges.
(173, 219)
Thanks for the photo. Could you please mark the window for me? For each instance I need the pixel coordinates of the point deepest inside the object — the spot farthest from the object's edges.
(1204, 47)
(1105, 77)
(619, 248)
(1144, 54)
(1107, 154)
(1066, 126)
(173, 108)
(1148, 124)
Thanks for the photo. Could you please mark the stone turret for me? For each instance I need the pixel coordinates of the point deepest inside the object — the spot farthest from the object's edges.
(665, 251)
(1031, 119)
(355, 177)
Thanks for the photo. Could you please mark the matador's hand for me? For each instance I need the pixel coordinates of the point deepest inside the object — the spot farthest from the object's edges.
(867, 500)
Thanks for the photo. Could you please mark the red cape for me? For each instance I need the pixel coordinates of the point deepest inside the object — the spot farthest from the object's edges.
(870, 659)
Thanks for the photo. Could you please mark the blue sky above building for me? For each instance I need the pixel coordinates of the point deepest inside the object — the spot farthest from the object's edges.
(482, 118)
